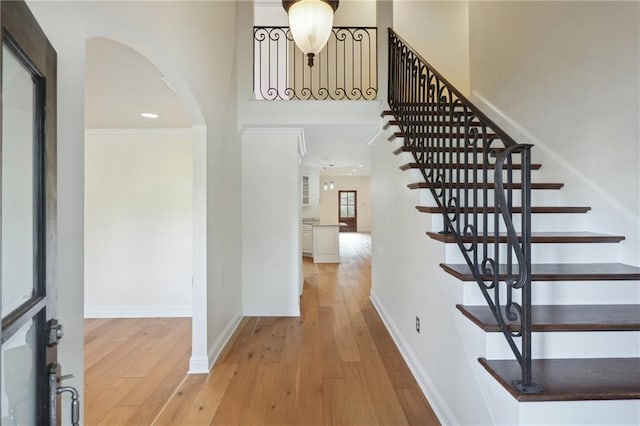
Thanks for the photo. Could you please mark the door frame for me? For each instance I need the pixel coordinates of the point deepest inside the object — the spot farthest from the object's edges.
(20, 31)
(355, 209)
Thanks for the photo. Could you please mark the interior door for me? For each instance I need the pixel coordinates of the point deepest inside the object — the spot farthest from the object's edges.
(348, 211)
(29, 372)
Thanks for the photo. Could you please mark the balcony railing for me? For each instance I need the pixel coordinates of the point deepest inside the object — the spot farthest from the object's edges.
(346, 69)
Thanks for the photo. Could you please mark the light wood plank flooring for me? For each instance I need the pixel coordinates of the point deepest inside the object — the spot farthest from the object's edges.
(132, 367)
(335, 365)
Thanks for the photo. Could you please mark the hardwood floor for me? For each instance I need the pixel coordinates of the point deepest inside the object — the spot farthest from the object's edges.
(132, 367)
(335, 365)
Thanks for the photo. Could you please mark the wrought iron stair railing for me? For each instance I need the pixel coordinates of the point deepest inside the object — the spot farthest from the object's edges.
(469, 164)
(345, 69)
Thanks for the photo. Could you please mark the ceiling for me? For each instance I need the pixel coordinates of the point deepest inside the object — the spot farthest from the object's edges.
(338, 150)
(121, 84)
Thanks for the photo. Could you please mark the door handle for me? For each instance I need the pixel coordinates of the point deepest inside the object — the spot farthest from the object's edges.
(75, 403)
(55, 390)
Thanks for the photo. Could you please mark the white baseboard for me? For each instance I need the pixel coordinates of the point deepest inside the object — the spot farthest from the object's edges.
(176, 311)
(216, 348)
(198, 365)
(326, 258)
(436, 401)
(202, 365)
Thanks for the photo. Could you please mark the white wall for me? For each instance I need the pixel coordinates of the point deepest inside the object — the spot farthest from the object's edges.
(138, 223)
(329, 198)
(271, 261)
(192, 44)
(439, 32)
(407, 282)
(350, 13)
(566, 77)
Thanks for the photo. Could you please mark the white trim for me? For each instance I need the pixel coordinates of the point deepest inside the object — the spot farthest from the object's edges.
(302, 145)
(436, 401)
(216, 348)
(268, 3)
(525, 136)
(176, 130)
(326, 258)
(119, 311)
(376, 136)
(202, 365)
(198, 365)
(199, 244)
(272, 311)
(247, 130)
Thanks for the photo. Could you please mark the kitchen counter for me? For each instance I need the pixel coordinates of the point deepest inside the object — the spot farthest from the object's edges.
(326, 247)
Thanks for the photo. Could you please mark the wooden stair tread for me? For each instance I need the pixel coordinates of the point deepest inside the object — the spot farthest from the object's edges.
(515, 209)
(572, 379)
(407, 166)
(439, 135)
(560, 271)
(446, 123)
(455, 185)
(417, 113)
(563, 318)
(444, 149)
(541, 238)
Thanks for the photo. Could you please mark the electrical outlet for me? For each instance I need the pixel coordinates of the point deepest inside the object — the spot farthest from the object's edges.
(418, 324)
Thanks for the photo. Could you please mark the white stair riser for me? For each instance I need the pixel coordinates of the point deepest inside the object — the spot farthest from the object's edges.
(565, 293)
(547, 222)
(594, 344)
(539, 198)
(553, 253)
(622, 413)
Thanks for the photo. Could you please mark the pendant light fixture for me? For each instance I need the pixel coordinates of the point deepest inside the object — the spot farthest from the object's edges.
(310, 22)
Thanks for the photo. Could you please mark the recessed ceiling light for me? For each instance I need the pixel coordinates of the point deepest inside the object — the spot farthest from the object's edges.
(149, 115)
(360, 165)
(354, 170)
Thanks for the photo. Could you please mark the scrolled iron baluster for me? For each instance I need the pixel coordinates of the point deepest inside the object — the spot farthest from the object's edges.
(317, 83)
(275, 34)
(513, 312)
(488, 266)
(469, 231)
(440, 113)
(356, 93)
(503, 208)
(305, 93)
(453, 208)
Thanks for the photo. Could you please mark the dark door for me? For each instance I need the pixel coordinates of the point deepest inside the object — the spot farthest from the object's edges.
(28, 222)
(348, 211)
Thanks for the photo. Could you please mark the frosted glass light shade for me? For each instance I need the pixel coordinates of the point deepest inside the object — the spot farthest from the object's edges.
(310, 22)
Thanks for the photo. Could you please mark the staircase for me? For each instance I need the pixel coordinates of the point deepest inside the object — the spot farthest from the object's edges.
(483, 184)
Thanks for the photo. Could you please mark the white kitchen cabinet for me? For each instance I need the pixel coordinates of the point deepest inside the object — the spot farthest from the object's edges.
(326, 248)
(307, 240)
(305, 190)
